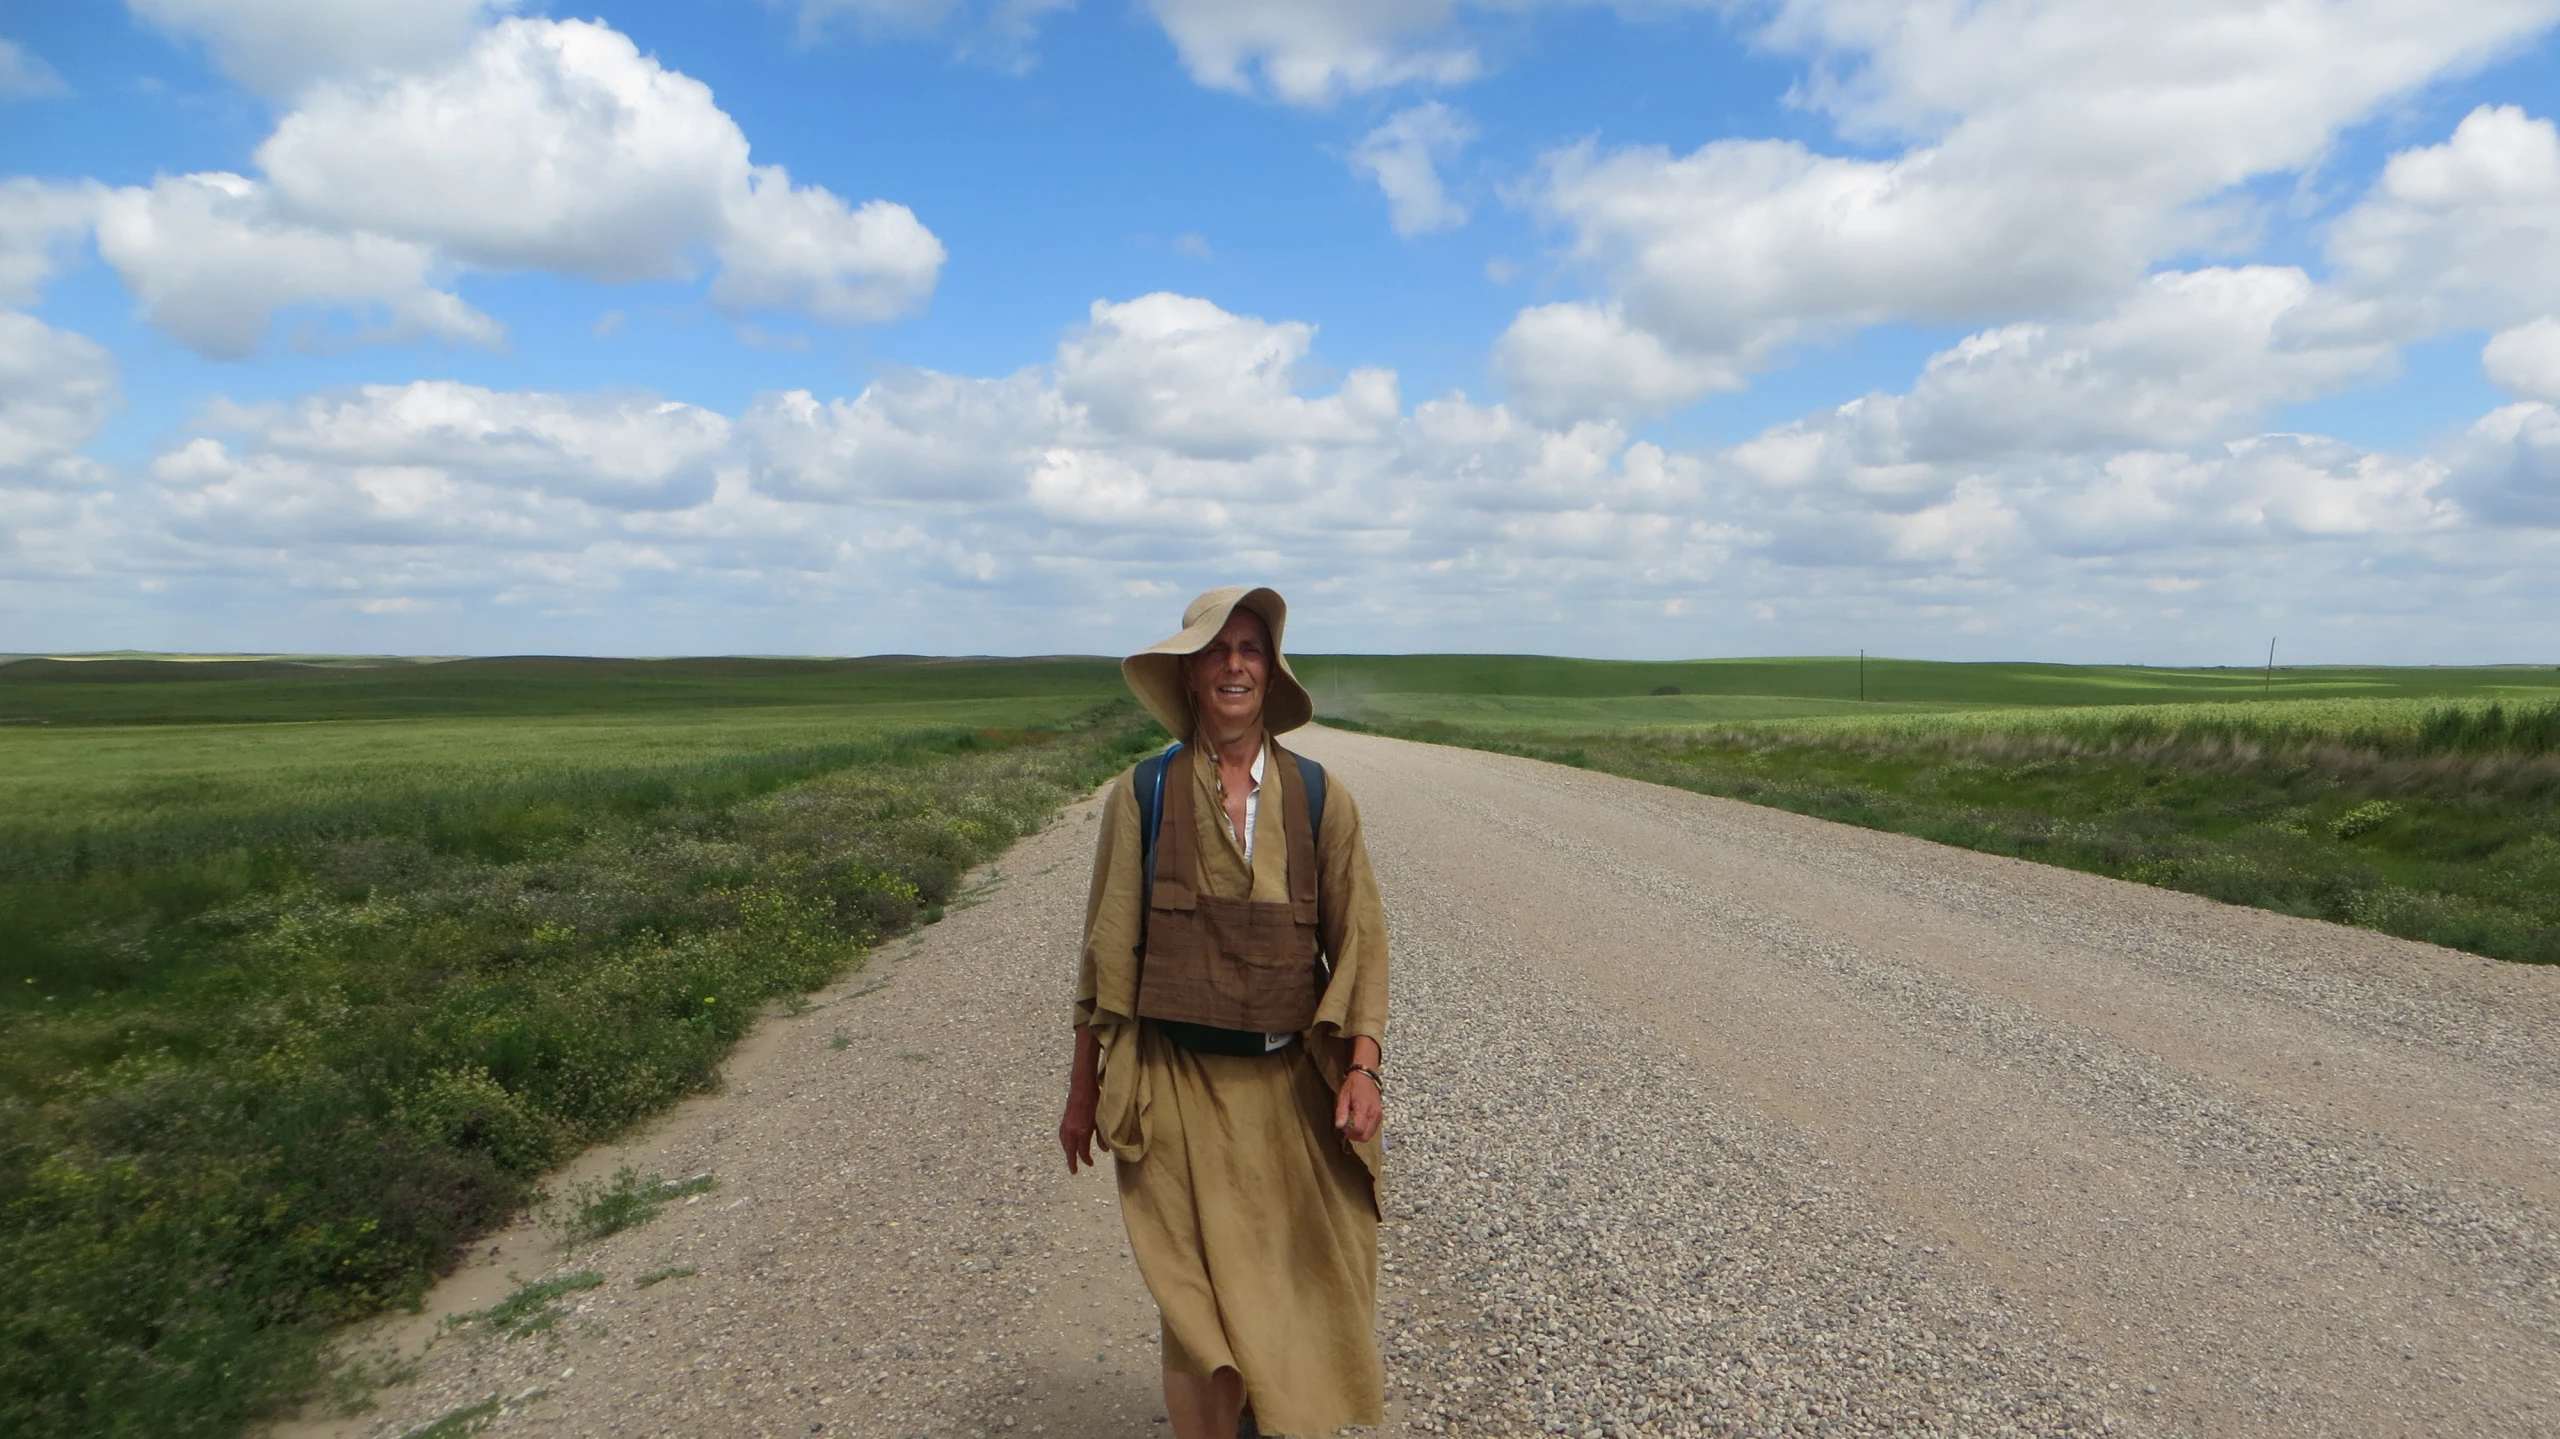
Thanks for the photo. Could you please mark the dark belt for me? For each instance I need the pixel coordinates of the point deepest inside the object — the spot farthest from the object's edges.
(1209, 1039)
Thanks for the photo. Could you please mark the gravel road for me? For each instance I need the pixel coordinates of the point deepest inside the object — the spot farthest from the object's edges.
(1704, 1119)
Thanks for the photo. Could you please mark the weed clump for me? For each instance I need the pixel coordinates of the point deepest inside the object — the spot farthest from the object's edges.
(624, 1202)
(2364, 819)
(467, 1420)
(534, 1307)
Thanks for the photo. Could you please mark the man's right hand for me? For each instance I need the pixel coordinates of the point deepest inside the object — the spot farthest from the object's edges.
(1075, 1131)
(1084, 1089)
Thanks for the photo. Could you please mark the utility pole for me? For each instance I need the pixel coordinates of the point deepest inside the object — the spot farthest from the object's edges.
(2271, 667)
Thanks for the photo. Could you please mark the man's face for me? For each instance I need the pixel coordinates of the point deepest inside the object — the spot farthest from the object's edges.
(1230, 675)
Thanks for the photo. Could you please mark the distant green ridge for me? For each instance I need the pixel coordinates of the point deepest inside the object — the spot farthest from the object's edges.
(1344, 683)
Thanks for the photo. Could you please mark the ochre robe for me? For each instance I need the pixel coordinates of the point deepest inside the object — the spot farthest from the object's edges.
(1253, 1220)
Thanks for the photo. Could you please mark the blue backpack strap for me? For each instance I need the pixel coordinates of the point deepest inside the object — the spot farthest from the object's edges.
(1311, 777)
(1150, 783)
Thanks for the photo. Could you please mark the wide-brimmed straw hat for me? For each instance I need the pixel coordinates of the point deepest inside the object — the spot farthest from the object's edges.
(1155, 673)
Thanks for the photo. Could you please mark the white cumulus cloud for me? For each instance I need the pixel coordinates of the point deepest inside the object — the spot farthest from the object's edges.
(2459, 234)
(211, 261)
(2053, 152)
(2002, 500)
(623, 451)
(1404, 156)
(57, 519)
(56, 389)
(2525, 360)
(2189, 358)
(39, 223)
(1163, 413)
(559, 146)
(2507, 467)
(1577, 358)
(436, 464)
(2135, 432)
(1182, 373)
(787, 247)
(553, 146)
(1311, 52)
(277, 47)
(917, 436)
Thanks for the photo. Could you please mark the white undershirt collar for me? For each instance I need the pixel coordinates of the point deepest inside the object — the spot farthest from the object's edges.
(1253, 801)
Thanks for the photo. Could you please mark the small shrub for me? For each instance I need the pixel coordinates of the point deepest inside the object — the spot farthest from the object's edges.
(661, 1276)
(2363, 819)
(463, 1108)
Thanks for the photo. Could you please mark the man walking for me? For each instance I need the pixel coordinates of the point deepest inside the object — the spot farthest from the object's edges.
(1230, 1003)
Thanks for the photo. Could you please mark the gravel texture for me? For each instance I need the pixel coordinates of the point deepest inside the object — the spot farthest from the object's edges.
(1703, 1119)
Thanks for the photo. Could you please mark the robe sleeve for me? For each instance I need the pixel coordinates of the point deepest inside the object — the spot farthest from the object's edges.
(1106, 970)
(1352, 918)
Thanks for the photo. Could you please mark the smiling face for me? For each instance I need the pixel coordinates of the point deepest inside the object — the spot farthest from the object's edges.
(1230, 675)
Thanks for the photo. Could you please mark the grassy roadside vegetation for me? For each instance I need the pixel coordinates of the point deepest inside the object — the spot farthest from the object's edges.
(299, 991)
(2417, 802)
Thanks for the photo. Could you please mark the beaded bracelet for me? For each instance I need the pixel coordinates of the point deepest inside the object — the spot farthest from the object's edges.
(1373, 1077)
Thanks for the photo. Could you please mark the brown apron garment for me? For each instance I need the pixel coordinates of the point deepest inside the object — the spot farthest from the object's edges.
(1231, 963)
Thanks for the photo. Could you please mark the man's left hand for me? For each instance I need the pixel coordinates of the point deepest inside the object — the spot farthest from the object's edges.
(1356, 1108)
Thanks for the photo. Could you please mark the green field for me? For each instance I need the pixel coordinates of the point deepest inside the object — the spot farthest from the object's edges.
(1525, 694)
(310, 968)
(146, 691)
(2419, 802)
(164, 788)
(308, 972)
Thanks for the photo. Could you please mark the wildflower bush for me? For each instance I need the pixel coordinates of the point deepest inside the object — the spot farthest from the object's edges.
(302, 1095)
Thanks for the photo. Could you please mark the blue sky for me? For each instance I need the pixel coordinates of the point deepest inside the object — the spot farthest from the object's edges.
(1956, 330)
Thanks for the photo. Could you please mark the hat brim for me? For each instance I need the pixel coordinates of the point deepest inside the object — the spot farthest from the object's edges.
(1155, 674)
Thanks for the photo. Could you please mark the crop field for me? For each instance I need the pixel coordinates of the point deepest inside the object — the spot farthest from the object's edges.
(2419, 802)
(308, 972)
(145, 691)
(1536, 694)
